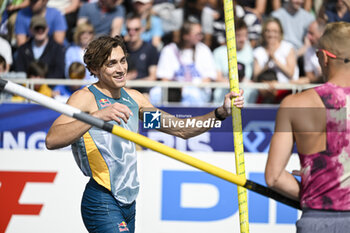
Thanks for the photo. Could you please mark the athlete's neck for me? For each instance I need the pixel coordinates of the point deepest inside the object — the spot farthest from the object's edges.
(114, 93)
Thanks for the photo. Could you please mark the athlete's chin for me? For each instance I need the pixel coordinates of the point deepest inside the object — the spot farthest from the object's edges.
(120, 83)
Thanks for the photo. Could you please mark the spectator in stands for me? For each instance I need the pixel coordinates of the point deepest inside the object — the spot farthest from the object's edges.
(8, 15)
(107, 16)
(193, 10)
(213, 24)
(6, 52)
(143, 55)
(253, 22)
(311, 65)
(190, 60)
(153, 25)
(336, 10)
(171, 15)
(56, 22)
(274, 60)
(84, 33)
(36, 70)
(307, 5)
(245, 63)
(16, 4)
(3, 65)
(76, 72)
(257, 7)
(68, 8)
(295, 22)
(42, 48)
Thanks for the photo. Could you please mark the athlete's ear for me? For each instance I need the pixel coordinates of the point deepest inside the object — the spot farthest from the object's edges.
(322, 57)
(325, 58)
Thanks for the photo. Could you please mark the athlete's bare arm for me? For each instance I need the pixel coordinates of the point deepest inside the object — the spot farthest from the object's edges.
(66, 130)
(185, 132)
(279, 154)
(300, 119)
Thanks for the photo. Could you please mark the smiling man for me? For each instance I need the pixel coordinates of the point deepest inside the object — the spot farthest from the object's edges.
(108, 203)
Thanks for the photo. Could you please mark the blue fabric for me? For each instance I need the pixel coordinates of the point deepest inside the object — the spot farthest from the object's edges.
(294, 26)
(101, 212)
(334, 17)
(65, 91)
(321, 221)
(156, 29)
(38, 51)
(54, 19)
(146, 56)
(101, 21)
(74, 54)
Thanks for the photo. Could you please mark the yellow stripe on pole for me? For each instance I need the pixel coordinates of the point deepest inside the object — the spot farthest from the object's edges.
(178, 155)
(236, 114)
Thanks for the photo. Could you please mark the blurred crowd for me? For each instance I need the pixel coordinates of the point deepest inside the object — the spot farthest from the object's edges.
(170, 40)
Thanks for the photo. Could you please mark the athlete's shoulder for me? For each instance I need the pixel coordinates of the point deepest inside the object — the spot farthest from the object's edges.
(138, 97)
(135, 94)
(308, 98)
(81, 94)
(82, 99)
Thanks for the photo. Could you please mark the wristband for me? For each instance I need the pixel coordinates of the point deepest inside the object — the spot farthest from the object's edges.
(217, 116)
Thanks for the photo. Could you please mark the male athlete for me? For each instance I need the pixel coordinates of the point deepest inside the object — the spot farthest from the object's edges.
(108, 203)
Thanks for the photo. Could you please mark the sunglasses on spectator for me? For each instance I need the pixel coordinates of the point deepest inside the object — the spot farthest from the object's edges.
(133, 29)
(331, 55)
(39, 28)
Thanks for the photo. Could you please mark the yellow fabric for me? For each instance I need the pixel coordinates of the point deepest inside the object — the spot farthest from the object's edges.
(44, 89)
(98, 166)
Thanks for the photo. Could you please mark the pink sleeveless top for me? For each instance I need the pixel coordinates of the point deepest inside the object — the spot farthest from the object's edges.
(325, 178)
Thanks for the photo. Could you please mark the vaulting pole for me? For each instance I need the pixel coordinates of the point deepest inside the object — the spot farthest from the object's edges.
(143, 141)
(236, 113)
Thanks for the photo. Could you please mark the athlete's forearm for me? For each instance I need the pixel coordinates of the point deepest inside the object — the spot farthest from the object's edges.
(62, 135)
(287, 185)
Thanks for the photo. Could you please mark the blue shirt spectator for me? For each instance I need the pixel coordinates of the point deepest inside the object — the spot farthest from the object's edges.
(153, 26)
(106, 19)
(295, 22)
(55, 21)
(83, 35)
(154, 30)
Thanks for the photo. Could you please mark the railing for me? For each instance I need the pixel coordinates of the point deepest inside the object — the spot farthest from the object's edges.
(164, 85)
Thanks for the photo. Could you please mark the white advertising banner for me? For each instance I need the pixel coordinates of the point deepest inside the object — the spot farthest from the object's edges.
(40, 191)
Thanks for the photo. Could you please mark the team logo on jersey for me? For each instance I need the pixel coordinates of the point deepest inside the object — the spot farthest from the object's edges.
(126, 99)
(123, 227)
(104, 103)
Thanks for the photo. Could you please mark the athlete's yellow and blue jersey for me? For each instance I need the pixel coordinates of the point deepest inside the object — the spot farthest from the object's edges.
(109, 159)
